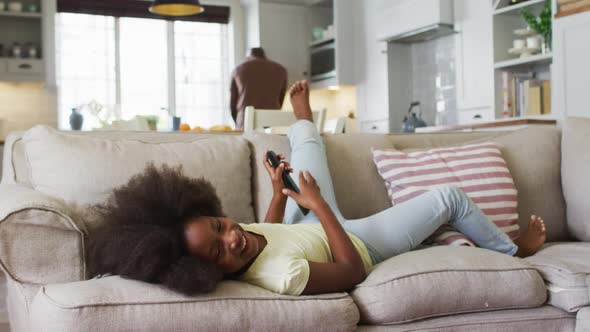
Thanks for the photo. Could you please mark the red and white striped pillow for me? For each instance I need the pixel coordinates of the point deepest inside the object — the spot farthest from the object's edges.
(478, 169)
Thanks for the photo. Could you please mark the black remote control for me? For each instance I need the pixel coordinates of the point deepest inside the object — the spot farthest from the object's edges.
(274, 161)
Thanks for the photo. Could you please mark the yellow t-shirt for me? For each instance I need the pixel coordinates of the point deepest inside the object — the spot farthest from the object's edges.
(282, 266)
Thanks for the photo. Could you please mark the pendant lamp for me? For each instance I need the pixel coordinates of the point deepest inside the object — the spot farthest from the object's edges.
(176, 7)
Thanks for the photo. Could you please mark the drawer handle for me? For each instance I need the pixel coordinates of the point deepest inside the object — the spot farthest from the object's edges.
(25, 66)
(374, 127)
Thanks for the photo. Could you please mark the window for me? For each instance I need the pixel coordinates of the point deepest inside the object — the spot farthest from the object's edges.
(138, 66)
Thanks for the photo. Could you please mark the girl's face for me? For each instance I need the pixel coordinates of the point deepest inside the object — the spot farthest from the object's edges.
(222, 242)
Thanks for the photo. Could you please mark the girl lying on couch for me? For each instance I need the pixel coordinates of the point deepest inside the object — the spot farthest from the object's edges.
(163, 227)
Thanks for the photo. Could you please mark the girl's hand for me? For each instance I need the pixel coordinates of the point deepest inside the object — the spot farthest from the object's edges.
(276, 174)
(310, 196)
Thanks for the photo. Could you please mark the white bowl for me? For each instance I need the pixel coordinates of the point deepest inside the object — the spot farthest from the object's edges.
(15, 6)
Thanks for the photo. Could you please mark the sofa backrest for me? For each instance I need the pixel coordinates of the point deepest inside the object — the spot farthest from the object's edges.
(83, 168)
(533, 157)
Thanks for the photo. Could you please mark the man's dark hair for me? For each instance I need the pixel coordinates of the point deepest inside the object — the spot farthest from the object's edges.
(142, 236)
(258, 52)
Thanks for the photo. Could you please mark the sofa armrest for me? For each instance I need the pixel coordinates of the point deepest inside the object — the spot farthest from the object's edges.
(40, 241)
(583, 320)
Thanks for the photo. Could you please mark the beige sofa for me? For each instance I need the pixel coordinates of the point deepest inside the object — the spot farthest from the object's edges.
(51, 178)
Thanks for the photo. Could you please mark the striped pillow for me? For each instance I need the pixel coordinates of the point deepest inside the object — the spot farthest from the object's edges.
(478, 169)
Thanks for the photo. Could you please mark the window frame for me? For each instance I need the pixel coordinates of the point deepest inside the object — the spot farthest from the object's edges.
(225, 117)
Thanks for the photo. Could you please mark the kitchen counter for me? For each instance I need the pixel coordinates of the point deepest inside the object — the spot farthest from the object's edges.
(507, 124)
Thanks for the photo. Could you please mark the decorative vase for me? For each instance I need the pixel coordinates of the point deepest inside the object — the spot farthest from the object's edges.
(76, 120)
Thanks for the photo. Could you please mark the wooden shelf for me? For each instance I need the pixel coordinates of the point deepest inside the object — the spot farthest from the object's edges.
(515, 9)
(492, 124)
(20, 15)
(563, 13)
(537, 59)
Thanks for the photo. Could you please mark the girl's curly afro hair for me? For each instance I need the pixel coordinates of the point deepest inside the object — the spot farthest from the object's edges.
(142, 236)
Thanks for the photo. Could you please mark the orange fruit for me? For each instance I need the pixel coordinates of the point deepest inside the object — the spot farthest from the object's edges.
(185, 127)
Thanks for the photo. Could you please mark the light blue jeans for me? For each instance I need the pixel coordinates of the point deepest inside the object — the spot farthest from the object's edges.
(400, 228)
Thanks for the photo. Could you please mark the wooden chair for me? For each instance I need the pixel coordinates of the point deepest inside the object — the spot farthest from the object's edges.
(335, 125)
(276, 120)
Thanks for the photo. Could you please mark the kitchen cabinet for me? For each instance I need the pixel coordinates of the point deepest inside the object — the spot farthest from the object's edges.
(37, 28)
(371, 64)
(283, 35)
(375, 127)
(22, 28)
(331, 58)
(571, 72)
(285, 30)
(474, 60)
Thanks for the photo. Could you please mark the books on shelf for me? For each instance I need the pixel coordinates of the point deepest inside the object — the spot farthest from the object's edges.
(524, 95)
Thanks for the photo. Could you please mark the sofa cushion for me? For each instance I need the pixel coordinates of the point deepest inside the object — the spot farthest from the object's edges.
(86, 169)
(583, 320)
(544, 319)
(566, 270)
(117, 304)
(446, 280)
(478, 169)
(262, 186)
(575, 163)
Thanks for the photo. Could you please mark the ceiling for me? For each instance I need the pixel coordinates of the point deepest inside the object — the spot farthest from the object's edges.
(291, 2)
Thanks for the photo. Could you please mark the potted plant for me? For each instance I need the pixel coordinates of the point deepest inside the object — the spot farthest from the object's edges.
(540, 24)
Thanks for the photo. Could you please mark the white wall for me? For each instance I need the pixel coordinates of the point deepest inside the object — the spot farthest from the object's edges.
(236, 29)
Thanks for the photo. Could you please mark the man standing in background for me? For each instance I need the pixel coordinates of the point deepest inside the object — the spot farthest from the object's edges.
(257, 82)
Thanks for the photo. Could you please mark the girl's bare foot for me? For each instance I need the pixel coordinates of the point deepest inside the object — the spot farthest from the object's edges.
(531, 241)
(299, 94)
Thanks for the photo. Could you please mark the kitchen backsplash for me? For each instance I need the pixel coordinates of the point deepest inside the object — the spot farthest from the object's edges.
(433, 79)
(337, 102)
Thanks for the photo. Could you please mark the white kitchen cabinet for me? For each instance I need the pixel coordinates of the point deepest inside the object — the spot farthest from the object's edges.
(283, 35)
(340, 15)
(571, 69)
(371, 67)
(281, 29)
(375, 127)
(474, 57)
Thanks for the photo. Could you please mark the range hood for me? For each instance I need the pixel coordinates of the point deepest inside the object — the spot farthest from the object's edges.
(417, 21)
(424, 34)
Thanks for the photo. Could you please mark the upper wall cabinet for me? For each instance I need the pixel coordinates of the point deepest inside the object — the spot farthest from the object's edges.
(571, 69)
(370, 55)
(286, 31)
(474, 57)
(283, 36)
(331, 52)
(21, 42)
